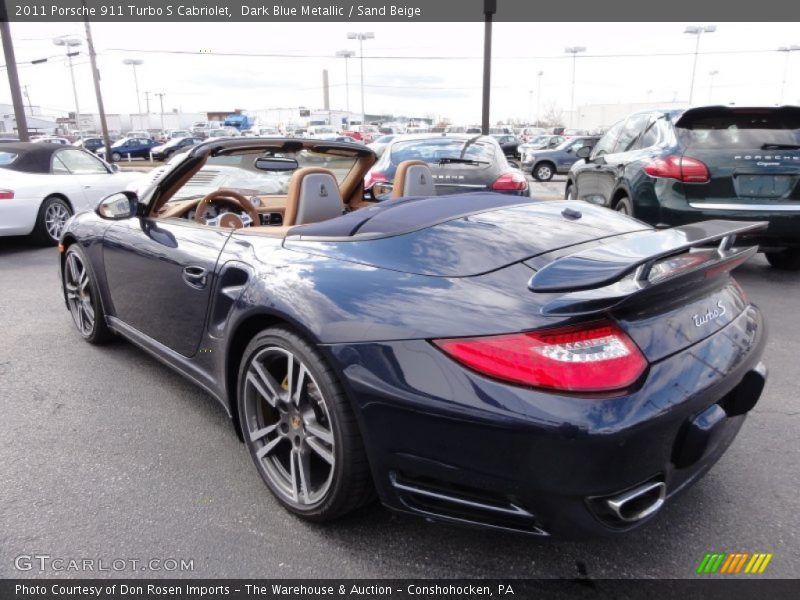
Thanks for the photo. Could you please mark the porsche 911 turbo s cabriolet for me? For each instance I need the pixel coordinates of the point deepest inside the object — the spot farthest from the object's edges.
(482, 359)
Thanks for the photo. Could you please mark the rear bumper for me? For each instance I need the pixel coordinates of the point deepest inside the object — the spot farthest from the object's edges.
(452, 445)
(784, 222)
(18, 216)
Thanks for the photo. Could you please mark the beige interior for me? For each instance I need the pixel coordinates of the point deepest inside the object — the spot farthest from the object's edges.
(351, 189)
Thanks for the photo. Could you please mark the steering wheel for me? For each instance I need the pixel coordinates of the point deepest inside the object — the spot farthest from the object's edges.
(228, 219)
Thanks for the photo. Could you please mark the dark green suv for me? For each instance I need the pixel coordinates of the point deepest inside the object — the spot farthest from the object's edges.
(674, 167)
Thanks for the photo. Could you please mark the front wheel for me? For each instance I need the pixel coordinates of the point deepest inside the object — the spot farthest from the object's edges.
(543, 172)
(785, 260)
(83, 298)
(116, 157)
(300, 429)
(569, 193)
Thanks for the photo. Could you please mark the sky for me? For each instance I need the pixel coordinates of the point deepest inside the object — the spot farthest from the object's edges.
(417, 69)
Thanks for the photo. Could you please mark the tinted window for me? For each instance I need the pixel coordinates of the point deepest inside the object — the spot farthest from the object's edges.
(651, 134)
(757, 131)
(630, 132)
(607, 142)
(80, 162)
(432, 151)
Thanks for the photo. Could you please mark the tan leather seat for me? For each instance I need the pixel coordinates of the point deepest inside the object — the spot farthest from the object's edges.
(413, 178)
(313, 197)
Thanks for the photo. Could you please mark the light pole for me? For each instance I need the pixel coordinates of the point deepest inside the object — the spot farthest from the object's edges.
(135, 62)
(698, 31)
(161, 101)
(68, 42)
(788, 50)
(574, 50)
(361, 36)
(539, 95)
(346, 55)
(711, 75)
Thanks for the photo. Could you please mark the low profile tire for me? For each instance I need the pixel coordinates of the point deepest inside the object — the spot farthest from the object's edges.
(624, 206)
(53, 215)
(300, 429)
(785, 260)
(116, 157)
(543, 171)
(569, 192)
(83, 299)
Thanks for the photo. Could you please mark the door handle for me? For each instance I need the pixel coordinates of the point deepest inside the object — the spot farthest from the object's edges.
(195, 277)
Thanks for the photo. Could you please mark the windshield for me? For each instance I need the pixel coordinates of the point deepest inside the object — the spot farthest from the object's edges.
(238, 172)
(740, 130)
(539, 139)
(435, 150)
(384, 139)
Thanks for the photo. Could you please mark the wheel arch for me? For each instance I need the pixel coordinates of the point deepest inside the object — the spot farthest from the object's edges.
(544, 161)
(621, 191)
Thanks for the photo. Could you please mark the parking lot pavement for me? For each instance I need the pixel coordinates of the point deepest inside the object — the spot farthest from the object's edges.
(107, 454)
(548, 190)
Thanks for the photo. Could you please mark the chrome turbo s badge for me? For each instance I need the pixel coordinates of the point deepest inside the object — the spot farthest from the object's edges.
(710, 315)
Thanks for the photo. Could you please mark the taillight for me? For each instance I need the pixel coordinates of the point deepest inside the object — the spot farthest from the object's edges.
(6, 194)
(596, 357)
(682, 168)
(510, 181)
(372, 178)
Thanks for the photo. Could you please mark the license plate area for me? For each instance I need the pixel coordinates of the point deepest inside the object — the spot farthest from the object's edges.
(764, 186)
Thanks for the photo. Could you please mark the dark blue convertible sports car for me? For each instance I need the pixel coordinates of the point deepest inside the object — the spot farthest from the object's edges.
(484, 359)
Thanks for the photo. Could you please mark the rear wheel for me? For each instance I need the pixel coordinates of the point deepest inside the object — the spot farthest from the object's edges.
(569, 193)
(300, 429)
(785, 260)
(53, 215)
(624, 206)
(116, 157)
(543, 171)
(83, 298)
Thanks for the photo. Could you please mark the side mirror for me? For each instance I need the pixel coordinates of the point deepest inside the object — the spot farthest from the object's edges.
(584, 152)
(114, 167)
(121, 205)
(514, 164)
(382, 190)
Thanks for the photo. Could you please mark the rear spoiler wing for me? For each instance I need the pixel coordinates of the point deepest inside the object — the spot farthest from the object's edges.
(605, 276)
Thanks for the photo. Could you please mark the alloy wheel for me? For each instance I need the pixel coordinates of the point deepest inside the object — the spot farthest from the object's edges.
(289, 426)
(79, 297)
(55, 217)
(544, 173)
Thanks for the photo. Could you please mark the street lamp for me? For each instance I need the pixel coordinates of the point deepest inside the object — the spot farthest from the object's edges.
(788, 50)
(135, 62)
(361, 36)
(69, 41)
(346, 54)
(574, 50)
(711, 75)
(539, 95)
(697, 30)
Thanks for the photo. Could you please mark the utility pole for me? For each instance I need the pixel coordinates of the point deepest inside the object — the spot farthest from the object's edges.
(161, 100)
(68, 42)
(96, 79)
(13, 76)
(147, 102)
(346, 54)
(489, 8)
(538, 96)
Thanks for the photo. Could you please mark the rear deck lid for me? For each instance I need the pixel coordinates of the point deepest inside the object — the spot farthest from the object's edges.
(752, 156)
(457, 236)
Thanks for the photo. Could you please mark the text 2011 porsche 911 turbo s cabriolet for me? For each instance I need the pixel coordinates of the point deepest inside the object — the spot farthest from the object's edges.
(484, 359)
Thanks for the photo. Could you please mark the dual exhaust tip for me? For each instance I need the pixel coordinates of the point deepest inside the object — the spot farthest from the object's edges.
(638, 503)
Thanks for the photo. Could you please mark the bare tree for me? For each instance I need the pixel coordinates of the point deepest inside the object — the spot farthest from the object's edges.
(553, 117)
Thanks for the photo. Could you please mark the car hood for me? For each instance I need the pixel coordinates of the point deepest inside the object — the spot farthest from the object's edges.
(467, 244)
